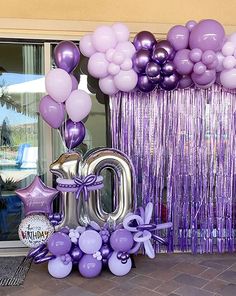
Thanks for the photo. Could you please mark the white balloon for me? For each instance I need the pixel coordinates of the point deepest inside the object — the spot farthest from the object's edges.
(228, 49)
(58, 269)
(117, 267)
(232, 38)
(228, 78)
(229, 62)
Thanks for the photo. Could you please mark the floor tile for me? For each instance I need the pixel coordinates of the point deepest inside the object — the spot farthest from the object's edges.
(168, 287)
(229, 276)
(98, 285)
(209, 273)
(189, 268)
(229, 290)
(145, 281)
(192, 291)
(190, 280)
(215, 286)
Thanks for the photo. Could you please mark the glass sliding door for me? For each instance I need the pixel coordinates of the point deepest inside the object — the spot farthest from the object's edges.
(21, 147)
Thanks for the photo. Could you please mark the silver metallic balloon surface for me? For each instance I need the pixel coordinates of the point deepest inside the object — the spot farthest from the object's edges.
(66, 166)
(124, 178)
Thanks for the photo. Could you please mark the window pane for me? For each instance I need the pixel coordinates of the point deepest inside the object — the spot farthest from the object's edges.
(21, 87)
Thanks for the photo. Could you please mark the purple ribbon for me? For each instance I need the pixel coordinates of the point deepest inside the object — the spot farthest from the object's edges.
(83, 185)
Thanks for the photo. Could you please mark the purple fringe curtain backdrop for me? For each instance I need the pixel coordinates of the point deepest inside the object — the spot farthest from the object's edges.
(183, 147)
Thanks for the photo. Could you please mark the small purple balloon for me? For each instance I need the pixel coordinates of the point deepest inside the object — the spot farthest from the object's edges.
(167, 46)
(140, 60)
(74, 82)
(205, 79)
(156, 80)
(121, 240)
(190, 25)
(153, 69)
(208, 57)
(168, 68)
(170, 82)
(160, 55)
(182, 62)
(51, 111)
(195, 55)
(73, 133)
(199, 68)
(76, 254)
(185, 82)
(59, 244)
(145, 84)
(89, 267)
(144, 40)
(178, 37)
(106, 251)
(66, 55)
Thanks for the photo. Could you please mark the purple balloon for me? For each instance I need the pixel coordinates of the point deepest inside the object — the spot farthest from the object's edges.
(44, 259)
(170, 82)
(208, 57)
(183, 64)
(74, 82)
(208, 77)
(121, 240)
(76, 254)
(195, 55)
(178, 37)
(144, 40)
(207, 34)
(156, 80)
(106, 251)
(66, 56)
(185, 82)
(89, 267)
(33, 252)
(73, 133)
(51, 111)
(59, 244)
(199, 68)
(168, 68)
(168, 47)
(145, 84)
(140, 60)
(190, 25)
(160, 55)
(153, 69)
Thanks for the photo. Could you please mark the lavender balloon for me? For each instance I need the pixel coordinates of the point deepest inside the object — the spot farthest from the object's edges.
(178, 37)
(205, 79)
(90, 267)
(66, 56)
(121, 240)
(140, 60)
(73, 133)
(144, 40)
(90, 241)
(59, 244)
(182, 62)
(185, 82)
(58, 269)
(51, 111)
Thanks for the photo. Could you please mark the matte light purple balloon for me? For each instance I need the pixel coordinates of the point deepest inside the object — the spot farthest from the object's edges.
(90, 241)
(121, 32)
(185, 82)
(168, 47)
(107, 85)
(170, 82)
(86, 46)
(127, 48)
(98, 65)
(59, 244)
(140, 60)
(51, 111)
(199, 68)
(207, 34)
(121, 240)
(178, 37)
(76, 254)
(74, 82)
(72, 133)
(58, 269)
(78, 105)
(190, 25)
(144, 40)
(153, 69)
(208, 57)
(104, 38)
(195, 55)
(145, 84)
(126, 80)
(66, 55)
(208, 77)
(182, 62)
(58, 84)
(228, 78)
(117, 267)
(90, 267)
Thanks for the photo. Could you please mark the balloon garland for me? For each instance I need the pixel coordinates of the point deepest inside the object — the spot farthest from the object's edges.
(195, 54)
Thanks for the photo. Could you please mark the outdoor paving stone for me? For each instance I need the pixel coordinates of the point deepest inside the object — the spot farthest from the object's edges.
(98, 285)
(229, 276)
(146, 282)
(212, 264)
(192, 291)
(168, 287)
(229, 290)
(215, 286)
(189, 268)
(209, 273)
(190, 280)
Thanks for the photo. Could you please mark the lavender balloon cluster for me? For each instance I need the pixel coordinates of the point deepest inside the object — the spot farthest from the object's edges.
(93, 248)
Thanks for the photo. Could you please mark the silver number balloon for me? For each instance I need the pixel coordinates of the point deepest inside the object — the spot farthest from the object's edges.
(66, 166)
(106, 158)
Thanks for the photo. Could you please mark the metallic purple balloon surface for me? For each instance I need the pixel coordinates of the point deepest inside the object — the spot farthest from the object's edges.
(182, 144)
(72, 133)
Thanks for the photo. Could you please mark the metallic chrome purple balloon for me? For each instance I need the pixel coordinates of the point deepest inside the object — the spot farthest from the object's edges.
(76, 254)
(160, 55)
(33, 252)
(66, 55)
(72, 133)
(41, 254)
(168, 68)
(140, 60)
(153, 69)
(45, 259)
(167, 46)
(144, 40)
(170, 82)
(106, 251)
(145, 84)
(156, 80)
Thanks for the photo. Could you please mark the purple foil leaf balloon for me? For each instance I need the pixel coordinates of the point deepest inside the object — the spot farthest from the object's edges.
(66, 56)
(37, 197)
(73, 133)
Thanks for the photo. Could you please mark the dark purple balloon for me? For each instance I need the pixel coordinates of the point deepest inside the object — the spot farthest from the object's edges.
(168, 68)
(156, 80)
(76, 254)
(41, 254)
(106, 251)
(153, 69)
(160, 55)
(33, 252)
(45, 259)
(73, 133)
(145, 84)
(170, 82)
(140, 60)
(144, 40)
(66, 56)
(167, 46)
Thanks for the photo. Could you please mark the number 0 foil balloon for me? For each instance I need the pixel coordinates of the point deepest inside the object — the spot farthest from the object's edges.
(104, 158)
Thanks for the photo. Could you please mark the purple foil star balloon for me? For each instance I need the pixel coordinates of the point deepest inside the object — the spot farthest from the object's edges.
(37, 197)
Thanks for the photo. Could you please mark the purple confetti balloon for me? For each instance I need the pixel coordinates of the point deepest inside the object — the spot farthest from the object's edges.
(145, 84)
(66, 55)
(140, 60)
(73, 133)
(144, 40)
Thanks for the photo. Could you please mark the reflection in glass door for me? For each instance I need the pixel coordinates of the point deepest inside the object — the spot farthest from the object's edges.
(21, 87)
